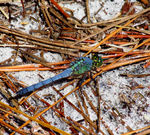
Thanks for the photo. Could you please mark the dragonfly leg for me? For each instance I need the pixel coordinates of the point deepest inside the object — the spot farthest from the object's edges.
(92, 79)
(84, 76)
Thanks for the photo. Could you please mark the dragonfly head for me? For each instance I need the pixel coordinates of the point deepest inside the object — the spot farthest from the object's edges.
(97, 60)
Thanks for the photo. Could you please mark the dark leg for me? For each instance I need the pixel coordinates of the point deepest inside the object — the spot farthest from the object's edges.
(92, 79)
(82, 80)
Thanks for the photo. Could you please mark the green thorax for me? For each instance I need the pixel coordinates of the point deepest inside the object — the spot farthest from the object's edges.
(85, 64)
(81, 65)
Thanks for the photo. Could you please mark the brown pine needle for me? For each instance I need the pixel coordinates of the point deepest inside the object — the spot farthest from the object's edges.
(109, 36)
(135, 131)
(33, 67)
(34, 119)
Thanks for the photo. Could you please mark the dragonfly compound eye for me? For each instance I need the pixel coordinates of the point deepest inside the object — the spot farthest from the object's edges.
(97, 61)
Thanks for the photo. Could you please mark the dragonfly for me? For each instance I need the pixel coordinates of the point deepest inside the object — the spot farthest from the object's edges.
(78, 67)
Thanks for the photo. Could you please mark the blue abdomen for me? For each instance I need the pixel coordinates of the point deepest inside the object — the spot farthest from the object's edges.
(64, 74)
